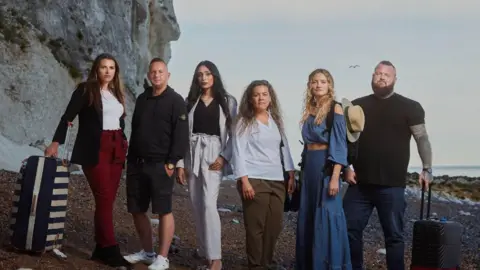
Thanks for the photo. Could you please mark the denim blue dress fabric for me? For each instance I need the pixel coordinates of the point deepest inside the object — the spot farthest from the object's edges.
(322, 240)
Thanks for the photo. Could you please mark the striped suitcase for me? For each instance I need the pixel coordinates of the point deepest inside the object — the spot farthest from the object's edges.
(40, 204)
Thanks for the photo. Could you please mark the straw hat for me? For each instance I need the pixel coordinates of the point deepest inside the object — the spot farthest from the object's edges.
(355, 119)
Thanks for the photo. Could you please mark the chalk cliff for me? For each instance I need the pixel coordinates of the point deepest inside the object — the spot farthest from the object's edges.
(47, 47)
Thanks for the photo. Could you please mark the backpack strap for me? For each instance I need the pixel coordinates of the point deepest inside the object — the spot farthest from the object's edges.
(328, 169)
(280, 150)
(330, 116)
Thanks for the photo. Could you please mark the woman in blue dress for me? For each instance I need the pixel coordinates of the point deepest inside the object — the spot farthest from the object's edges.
(322, 241)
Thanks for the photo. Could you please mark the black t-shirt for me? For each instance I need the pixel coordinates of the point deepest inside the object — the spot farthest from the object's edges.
(384, 145)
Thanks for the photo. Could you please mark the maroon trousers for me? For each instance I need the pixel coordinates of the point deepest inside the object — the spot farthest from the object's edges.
(104, 179)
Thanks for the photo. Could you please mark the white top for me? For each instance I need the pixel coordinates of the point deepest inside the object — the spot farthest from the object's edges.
(256, 152)
(112, 111)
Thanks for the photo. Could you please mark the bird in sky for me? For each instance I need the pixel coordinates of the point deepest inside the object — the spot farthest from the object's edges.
(354, 66)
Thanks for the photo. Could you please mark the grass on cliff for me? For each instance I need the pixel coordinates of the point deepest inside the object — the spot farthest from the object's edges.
(13, 27)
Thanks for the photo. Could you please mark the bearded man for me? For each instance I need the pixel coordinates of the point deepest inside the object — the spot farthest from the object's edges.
(377, 177)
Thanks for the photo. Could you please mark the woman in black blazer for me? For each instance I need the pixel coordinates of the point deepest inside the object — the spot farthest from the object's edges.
(100, 147)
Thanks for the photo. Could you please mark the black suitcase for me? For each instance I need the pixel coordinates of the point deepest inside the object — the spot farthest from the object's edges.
(436, 243)
(40, 203)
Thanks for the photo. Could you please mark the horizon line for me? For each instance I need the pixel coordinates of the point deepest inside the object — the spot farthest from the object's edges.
(447, 165)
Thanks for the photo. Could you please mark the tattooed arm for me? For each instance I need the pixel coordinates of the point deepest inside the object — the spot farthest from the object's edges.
(424, 147)
(416, 122)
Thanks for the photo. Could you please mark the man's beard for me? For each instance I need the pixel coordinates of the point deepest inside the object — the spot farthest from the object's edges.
(383, 91)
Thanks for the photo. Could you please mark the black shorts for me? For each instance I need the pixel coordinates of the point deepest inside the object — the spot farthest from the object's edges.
(149, 182)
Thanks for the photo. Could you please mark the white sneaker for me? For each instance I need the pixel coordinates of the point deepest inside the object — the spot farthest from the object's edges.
(161, 263)
(140, 257)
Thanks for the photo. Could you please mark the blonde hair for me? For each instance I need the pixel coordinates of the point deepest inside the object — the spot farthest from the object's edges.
(323, 103)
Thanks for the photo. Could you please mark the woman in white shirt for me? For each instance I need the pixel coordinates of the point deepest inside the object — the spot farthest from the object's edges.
(258, 139)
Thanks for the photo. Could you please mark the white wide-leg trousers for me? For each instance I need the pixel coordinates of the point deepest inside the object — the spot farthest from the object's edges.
(204, 186)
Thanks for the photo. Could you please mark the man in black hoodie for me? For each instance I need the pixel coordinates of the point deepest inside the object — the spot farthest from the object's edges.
(159, 139)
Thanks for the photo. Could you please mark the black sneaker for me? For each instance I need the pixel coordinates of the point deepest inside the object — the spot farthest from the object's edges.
(110, 256)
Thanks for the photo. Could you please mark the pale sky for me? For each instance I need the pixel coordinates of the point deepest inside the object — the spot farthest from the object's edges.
(433, 43)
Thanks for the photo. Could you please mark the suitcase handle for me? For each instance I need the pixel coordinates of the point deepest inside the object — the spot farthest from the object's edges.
(65, 150)
(64, 156)
(422, 202)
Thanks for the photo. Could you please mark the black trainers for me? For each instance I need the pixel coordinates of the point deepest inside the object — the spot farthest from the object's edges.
(110, 256)
(96, 254)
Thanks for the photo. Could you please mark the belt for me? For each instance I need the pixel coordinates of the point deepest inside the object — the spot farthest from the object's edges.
(199, 142)
(140, 160)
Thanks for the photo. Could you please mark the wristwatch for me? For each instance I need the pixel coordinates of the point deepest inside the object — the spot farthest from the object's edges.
(428, 170)
(170, 166)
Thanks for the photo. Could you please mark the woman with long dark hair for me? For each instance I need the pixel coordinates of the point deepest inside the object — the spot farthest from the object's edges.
(322, 241)
(259, 142)
(210, 113)
(100, 147)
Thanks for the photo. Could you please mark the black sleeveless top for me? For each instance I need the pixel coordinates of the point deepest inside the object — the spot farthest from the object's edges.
(206, 118)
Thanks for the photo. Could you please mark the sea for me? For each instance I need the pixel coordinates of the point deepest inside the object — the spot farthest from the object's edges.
(451, 170)
(441, 170)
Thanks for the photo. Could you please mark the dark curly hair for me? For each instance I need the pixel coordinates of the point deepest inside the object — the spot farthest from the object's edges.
(246, 111)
